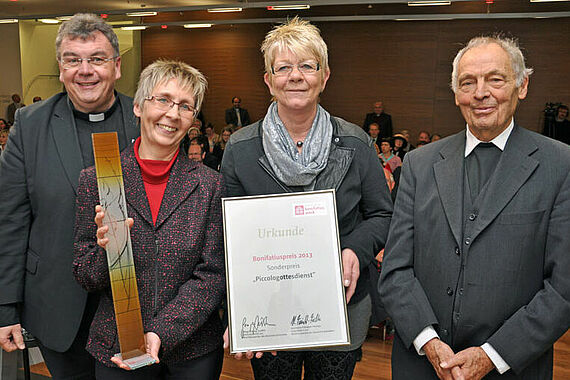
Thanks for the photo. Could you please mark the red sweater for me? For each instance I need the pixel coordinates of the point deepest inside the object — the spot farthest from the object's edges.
(155, 175)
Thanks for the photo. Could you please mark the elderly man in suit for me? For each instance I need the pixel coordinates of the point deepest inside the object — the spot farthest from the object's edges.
(475, 272)
(49, 145)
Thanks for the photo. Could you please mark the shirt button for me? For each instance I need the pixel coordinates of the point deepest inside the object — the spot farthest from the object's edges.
(472, 217)
(460, 291)
(457, 251)
(443, 331)
(467, 241)
(449, 291)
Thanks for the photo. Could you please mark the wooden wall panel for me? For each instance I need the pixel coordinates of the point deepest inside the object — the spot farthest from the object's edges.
(406, 64)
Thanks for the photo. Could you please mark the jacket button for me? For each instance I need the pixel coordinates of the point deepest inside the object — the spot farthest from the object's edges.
(460, 291)
(336, 139)
(467, 241)
(472, 217)
(457, 251)
(449, 291)
(443, 331)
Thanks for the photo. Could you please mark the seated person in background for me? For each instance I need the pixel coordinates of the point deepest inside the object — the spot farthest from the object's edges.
(236, 115)
(406, 135)
(560, 126)
(423, 138)
(174, 205)
(209, 159)
(374, 132)
(3, 139)
(37, 99)
(212, 136)
(400, 145)
(196, 151)
(4, 124)
(389, 160)
(435, 137)
(220, 147)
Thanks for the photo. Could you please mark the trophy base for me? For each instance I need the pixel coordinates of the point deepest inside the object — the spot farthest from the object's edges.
(137, 361)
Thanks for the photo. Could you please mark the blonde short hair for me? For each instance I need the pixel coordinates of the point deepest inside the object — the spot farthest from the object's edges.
(509, 45)
(162, 71)
(299, 36)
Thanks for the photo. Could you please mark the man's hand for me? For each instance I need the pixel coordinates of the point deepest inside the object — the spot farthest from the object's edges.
(240, 355)
(351, 272)
(11, 338)
(473, 362)
(438, 352)
(152, 346)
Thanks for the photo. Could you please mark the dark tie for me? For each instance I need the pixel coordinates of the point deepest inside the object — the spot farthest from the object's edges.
(480, 164)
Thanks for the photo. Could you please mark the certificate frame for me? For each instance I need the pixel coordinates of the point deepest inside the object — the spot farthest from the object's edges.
(284, 272)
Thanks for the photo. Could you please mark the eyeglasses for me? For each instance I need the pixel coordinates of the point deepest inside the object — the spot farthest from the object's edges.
(285, 69)
(162, 103)
(72, 62)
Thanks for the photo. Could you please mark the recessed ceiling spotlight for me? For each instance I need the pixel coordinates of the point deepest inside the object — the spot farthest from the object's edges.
(134, 27)
(287, 7)
(426, 3)
(222, 10)
(190, 26)
(49, 21)
(141, 14)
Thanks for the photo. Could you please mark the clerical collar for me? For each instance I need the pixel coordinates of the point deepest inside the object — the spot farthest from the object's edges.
(95, 117)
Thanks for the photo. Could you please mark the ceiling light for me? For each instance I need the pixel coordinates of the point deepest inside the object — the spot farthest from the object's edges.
(287, 7)
(141, 14)
(220, 10)
(425, 3)
(188, 26)
(135, 27)
(49, 20)
(8, 21)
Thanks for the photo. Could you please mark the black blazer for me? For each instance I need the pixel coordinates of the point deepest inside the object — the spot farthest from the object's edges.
(231, 117)
(39, 172)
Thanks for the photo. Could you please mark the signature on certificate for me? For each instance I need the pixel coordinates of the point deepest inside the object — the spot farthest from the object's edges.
(253, 327)
(305, 319)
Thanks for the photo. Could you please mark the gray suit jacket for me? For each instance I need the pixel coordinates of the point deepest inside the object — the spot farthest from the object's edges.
(39, 172)
(514, 250)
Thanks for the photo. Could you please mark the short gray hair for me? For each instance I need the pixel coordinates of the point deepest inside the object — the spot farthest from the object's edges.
(162, 71)
(83, 25)
(509, 45)
(299, 36)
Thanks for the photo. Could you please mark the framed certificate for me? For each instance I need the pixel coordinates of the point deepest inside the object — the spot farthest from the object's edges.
(284, 272)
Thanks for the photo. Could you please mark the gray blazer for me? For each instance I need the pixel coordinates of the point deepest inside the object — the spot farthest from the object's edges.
(39, 172)
(515, 251)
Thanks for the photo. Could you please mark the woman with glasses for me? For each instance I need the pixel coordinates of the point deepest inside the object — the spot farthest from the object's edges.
(299, 146)
(176, 233)
(220, 147)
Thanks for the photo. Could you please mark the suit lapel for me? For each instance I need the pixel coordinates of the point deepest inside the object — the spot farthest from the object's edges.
(449, 178)
(132, 129)
(66, 141)
(514, 168)
(135, 192)
(181, 183)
